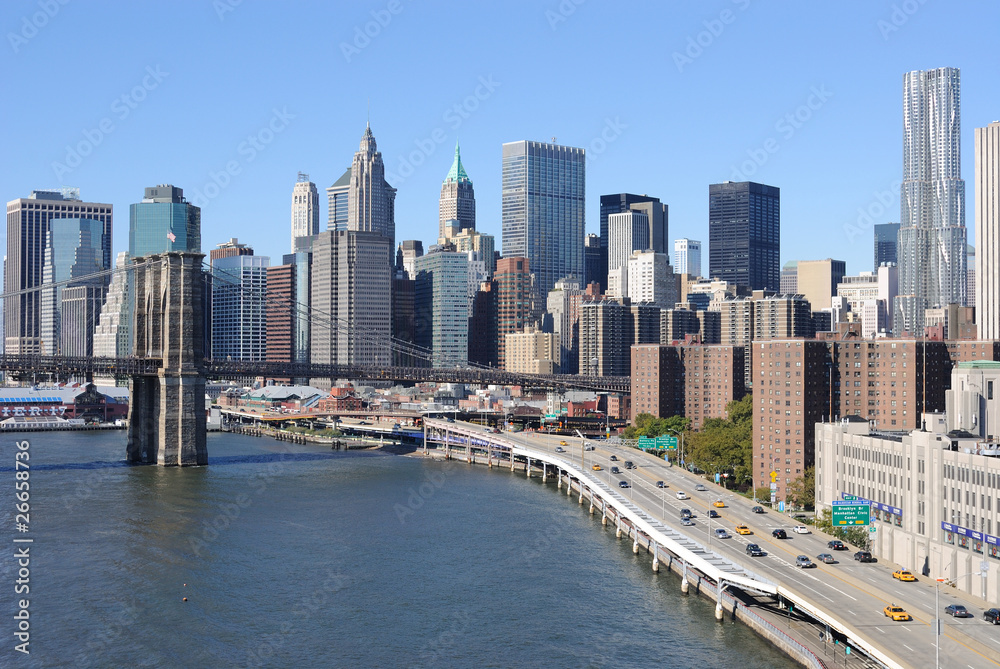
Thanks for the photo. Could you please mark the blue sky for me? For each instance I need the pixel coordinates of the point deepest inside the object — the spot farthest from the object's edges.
(667, 97)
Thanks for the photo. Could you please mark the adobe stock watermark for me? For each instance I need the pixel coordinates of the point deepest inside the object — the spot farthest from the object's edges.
(562, 12)
(223, 7)
(697, 43)
(363, 35)
(612, 130)
(787, 126)
(247, 150)
(898, 17)
(121, 107)
(878, 206)
(454, 116)
(30, 25)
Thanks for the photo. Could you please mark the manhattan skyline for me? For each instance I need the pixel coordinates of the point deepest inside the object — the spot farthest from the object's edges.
(824, 125)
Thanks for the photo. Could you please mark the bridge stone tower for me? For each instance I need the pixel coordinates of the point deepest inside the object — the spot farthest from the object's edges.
(167, 411)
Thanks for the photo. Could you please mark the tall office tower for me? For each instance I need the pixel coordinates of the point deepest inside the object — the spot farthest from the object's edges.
(592, 261)
(817, 281)
(27, 231)
(407, 254)
(744, 234)
(371, 202)
(163, 221)
(687, 256)
(442, 307)
(932, 235)
(544, 187)
(71, 295)
(305, 209)
(988, 231)
(627, 232)
(622, 202)
(563, 305)
(886, 241)
(483, 325)
(970, 276)
(112, 335)
(651, 279)
(337, 196)
(789, 282)
(483, 245)
(228, 250)
(515, 309)
(351, 308)
(239, 307)
(280, 313)
(458, 199)
(403, 321)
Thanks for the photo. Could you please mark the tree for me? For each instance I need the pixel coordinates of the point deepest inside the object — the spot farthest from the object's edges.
(726, 445)
(802, 491)
(647, 425)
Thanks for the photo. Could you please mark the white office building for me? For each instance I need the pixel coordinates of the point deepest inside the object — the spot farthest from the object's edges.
(687, 256)
(987, 274)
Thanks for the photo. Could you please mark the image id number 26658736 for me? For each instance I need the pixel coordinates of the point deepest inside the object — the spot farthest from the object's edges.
(22, 523)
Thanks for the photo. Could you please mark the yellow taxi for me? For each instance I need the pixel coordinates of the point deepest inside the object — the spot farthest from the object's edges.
(719, 503)
(563, 443)
(596, 468)
(897, 613)
(903, 575)
(743, 529)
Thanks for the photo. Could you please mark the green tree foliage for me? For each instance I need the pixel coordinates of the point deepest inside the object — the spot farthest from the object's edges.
(857, 535)
(647, 426)
(726, 445)
(802, 491)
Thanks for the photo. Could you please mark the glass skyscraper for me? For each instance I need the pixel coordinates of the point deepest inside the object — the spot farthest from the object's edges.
(442, 307)
(543, 219)
(163, 221)
(239, 322)
(886, 236)
(744, 234)
(932, 235)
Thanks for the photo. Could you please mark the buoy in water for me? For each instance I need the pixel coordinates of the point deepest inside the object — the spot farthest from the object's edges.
(185, 599)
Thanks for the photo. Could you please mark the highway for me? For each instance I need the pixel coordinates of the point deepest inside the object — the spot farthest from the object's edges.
(854, 592)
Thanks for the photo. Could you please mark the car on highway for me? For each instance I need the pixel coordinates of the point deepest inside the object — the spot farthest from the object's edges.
(628, 464)
(589, 448)
(863, 556)
(364, 422)
(758, 509)
(720, 533)
(779, 533)
(803, 562)
(681, 494)
(614, 458)
(743, 529)
(623, 484)
(712, 513)
(596, 468)
(826, 558)
(685, 513)
(957, 611)
(661, 484)
(700, 488)
(836, 545)
(903, 575)
(719, 504)
(897, 613)
(800, 529)
(992, 616)
(687, 521)
(562, 442)
(615, 470)
(753, 550)
(560, 449)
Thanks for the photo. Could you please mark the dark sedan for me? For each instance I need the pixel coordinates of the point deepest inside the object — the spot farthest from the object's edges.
(779, 534)
(957, 611)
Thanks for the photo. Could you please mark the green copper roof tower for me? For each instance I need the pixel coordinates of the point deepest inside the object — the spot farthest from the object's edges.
(458, 200)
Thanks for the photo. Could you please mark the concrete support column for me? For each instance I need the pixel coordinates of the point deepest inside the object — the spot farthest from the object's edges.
(656, 559)
(685, 586)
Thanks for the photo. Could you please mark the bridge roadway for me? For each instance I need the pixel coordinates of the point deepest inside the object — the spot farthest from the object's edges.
(64, 366)
(848, 596)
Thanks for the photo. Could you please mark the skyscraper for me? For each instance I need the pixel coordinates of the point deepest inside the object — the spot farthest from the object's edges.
(932, 235)
(988, 231)
(744, 234)
(595, 261)
(687, 256)
(514, 300)
(458, 199)
(886, 238)
(113, 333)
(163, 221)
(305, 209)
(371, 201)
(817, 281)
(619, 203)
(627, 232)
(337, 196)
(228, 250)
(239, 322)
(441, 306)
(27, 232)
(544, 188)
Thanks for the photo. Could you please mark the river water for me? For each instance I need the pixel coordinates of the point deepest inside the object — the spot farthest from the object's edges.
(296, 556)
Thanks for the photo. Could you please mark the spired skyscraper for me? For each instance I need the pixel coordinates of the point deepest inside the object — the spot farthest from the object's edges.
(305, 210)
(371, 201)
(544, 188)
(932, 235)
(458, 199)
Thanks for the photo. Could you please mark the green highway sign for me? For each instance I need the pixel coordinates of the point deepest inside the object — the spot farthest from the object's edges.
(847, 513)
(666, 442)
(646, 443)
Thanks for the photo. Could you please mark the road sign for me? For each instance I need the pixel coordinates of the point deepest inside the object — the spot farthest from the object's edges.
(645, 443)
(774, 486)
(717, 477)
(872, 528)
(666, 442)
(781, 506)
(774, 476)
(850, 514)
(849, 498)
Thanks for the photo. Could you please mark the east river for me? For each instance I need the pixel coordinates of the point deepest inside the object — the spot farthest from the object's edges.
(296, 556)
